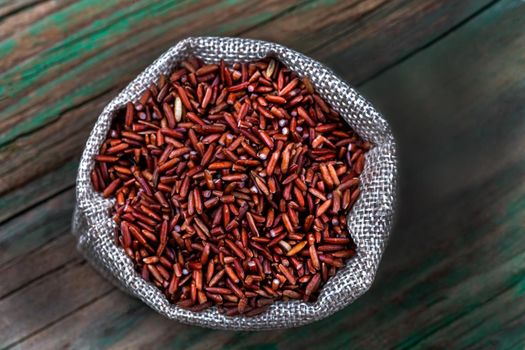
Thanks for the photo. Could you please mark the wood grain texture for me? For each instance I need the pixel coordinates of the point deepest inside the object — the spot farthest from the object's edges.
(361, 38)
(36, 227)
(449, 77)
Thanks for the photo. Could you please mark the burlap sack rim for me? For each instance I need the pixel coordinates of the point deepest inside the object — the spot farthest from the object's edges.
(94, 227)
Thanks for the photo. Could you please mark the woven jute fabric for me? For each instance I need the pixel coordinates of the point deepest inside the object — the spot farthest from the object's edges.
(369, 221)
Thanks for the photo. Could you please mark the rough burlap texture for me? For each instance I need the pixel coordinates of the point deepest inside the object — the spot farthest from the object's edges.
(369, 221)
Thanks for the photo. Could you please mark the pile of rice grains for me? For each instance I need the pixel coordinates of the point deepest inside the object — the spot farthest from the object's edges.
(232, 185)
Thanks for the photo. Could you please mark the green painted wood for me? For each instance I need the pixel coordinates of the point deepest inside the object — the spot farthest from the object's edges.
(90, 47)
(453, 275)
(16, 14)
(72, 107)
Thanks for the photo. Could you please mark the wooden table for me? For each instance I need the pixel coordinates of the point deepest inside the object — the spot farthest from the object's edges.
(448, 75)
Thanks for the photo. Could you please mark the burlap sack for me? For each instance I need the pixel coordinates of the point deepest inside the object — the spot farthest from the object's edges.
(369, 221)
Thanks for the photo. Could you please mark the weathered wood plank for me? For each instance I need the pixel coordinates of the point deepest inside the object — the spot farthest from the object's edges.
(456, 107)
(45, 24)
(12, 18)
(78, 109)
(124, 36)
(41, 188)
(116, 313)
(49, 258)
(45, 150)
(34, 228)
(59, 294)
(356, 38)
(10, 7)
